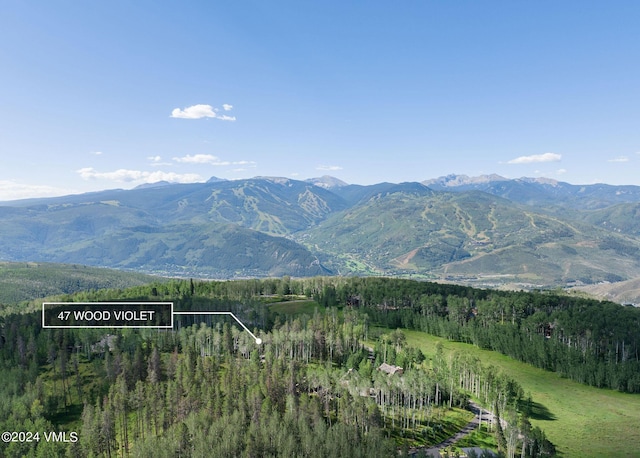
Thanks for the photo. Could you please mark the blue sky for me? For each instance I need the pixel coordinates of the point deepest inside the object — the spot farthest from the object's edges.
(98, 95)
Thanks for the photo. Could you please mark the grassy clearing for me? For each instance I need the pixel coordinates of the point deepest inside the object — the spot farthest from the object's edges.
(294, 308)
(580, 420)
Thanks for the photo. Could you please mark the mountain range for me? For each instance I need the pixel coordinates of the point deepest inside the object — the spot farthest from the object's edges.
(485, 231)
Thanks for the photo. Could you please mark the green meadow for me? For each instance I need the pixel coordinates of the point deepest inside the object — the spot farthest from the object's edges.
(295, 307)
(580, 420)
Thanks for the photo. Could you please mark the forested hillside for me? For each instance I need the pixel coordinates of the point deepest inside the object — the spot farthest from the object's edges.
(31, 280)
(525, 234)
(312, 388)
(410, 229)
(220, 230)
(593, 342)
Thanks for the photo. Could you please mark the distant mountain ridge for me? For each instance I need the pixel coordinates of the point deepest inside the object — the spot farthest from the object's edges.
(157, 184)
(461, 180)
(466, 235)
(327, 182)
(481, 230)
(540, 191)
(220, 229)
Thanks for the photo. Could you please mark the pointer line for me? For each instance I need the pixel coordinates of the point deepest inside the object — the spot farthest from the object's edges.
(257, 339)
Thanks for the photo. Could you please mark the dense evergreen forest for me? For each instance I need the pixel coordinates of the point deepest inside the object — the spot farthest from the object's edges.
(313, 387)
(589, 341)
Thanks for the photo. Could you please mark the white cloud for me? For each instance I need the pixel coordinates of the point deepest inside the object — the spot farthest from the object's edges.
(12, 190)
(227, 107)
(156, 161)
(329, 168)
(619, 159)
(535, 158)
(561, 171)
(201, 111)
(199, 159)
(247, 163)
(210, 159)
(96, 153)
(194, 112)
(142, 176)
